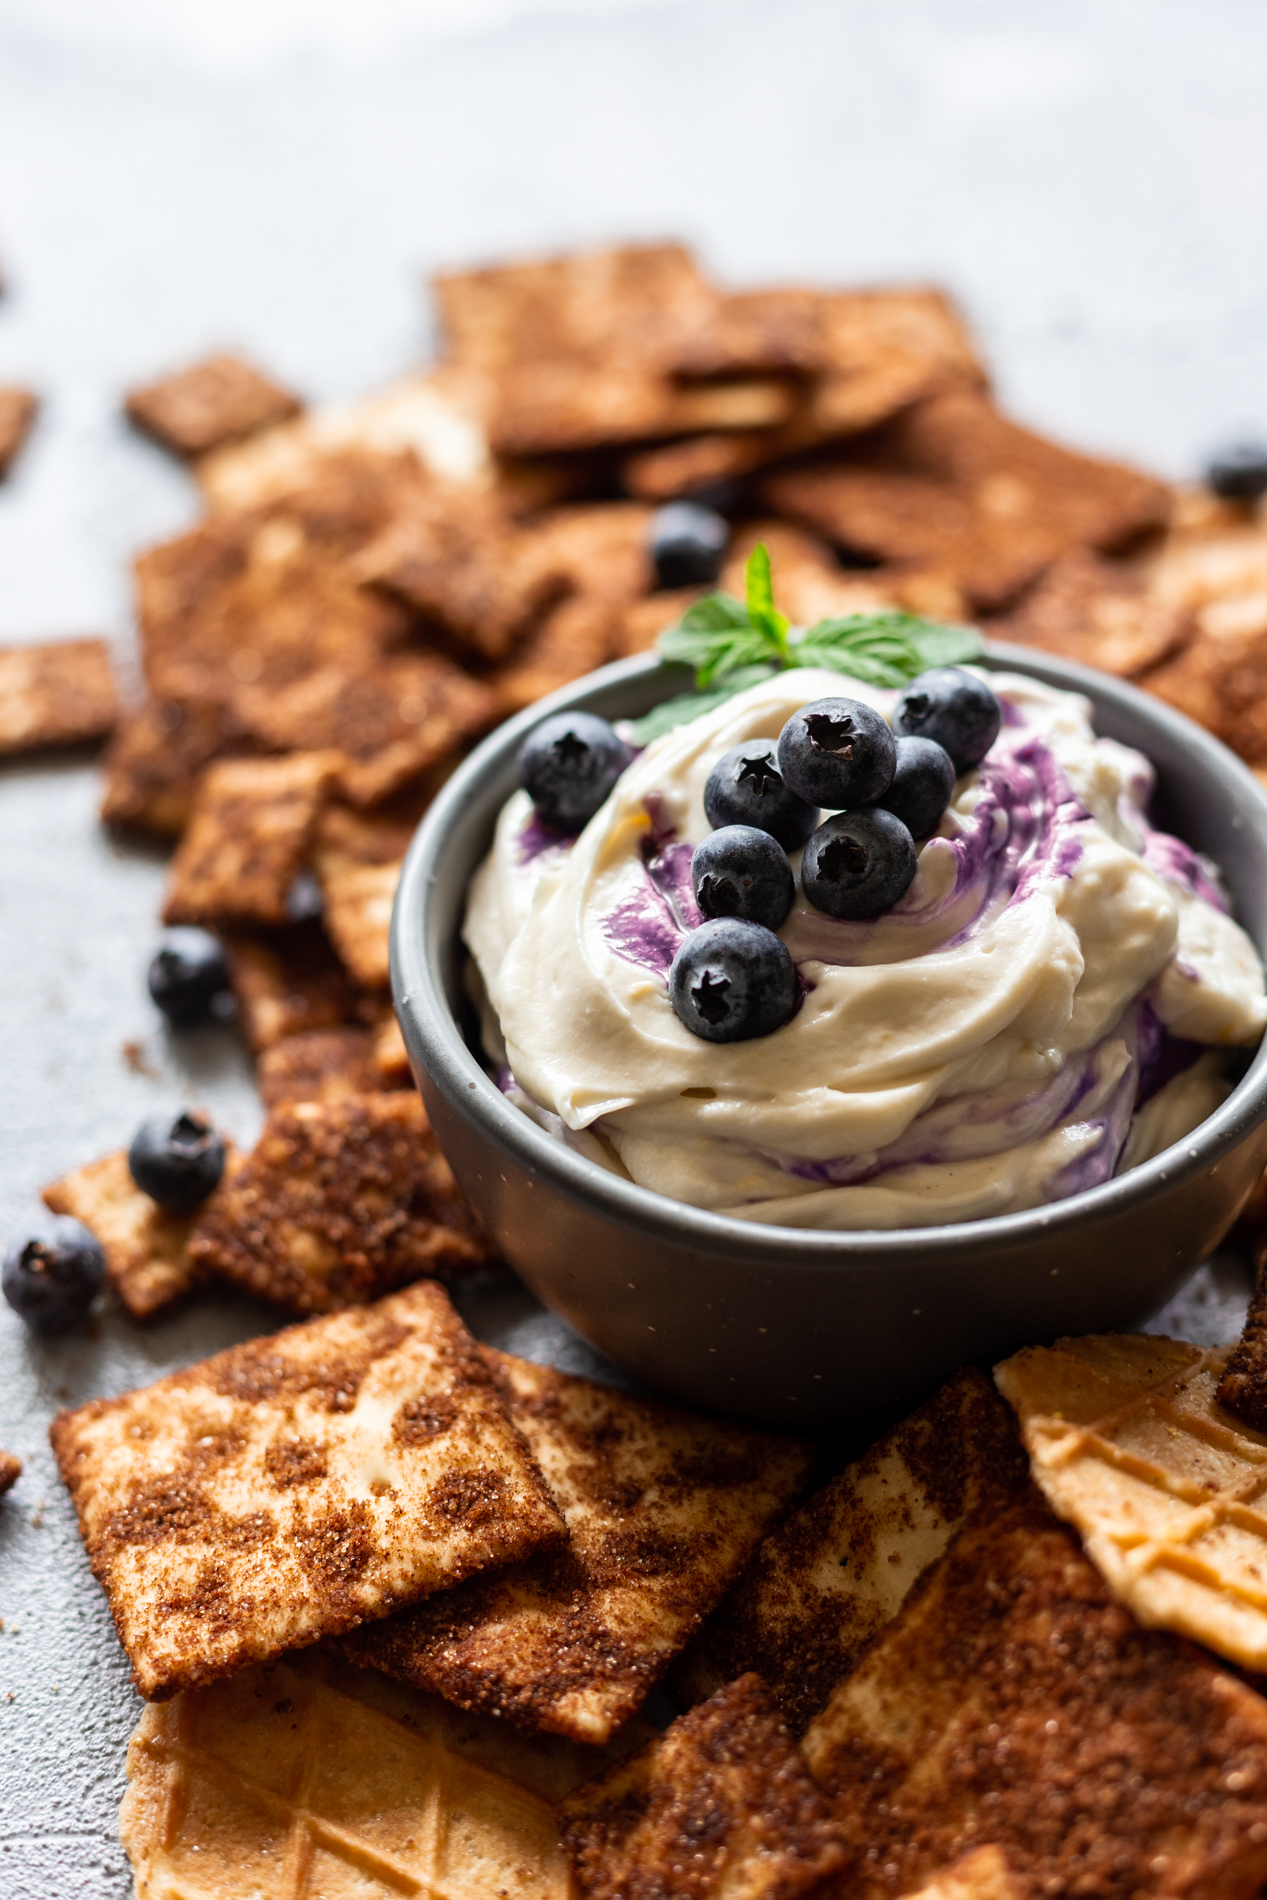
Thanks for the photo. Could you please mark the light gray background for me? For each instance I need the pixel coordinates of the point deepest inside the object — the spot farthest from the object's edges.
(280, 174)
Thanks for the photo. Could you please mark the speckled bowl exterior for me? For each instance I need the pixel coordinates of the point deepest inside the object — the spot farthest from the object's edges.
(775, 1324)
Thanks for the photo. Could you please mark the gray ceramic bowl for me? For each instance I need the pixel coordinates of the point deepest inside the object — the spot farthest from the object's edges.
(800, 1328)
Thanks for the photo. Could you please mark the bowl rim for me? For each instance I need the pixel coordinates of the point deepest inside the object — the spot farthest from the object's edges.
(436, 1043)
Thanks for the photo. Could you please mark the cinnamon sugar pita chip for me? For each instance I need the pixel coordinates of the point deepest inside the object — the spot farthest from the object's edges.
(287, 981)
(951, 483)
(1099, 613)
(463, 565)
(319, 1065)
(18, 410)
(581, 633)
(721, 1805)
(146, 1249)
(697, 462)
(390, 1053)
(358, 915)
(881, 350)
(823, 1584)
(387, 726)
(10, 1471)
(1013, 1704)
(62, 693)
(212, 402)
(602, 548)
(662, 1509)
(157, 755)
(341, 1200)
(288, 1489)
(247, 838)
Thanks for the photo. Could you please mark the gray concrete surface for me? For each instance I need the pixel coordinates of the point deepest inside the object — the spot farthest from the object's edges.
(1086, 175)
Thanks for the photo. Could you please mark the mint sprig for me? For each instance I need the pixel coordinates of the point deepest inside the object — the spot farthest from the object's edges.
(732, 644)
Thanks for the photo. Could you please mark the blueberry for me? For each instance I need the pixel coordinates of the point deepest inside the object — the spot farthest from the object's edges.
(953, 707)
(187, 975)
(732, 980)
(742, 872)
(568, 765)
(745, 787)
(52, 1275)
(176, 1162)
(922, 785)
(837, 753)
(687, 544)
(1239, 472)
(858, 864)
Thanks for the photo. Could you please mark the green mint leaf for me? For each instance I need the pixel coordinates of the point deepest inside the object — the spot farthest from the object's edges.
(762, 612)
(884, 649)
(675, 712)
(715, 635)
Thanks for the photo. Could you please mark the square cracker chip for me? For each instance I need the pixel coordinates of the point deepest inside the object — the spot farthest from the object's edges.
(18, 408)
(1128, 1441)
(146, 1250)
(839, 1569)
(1013, 1704)
(952, 484)
(357, 862)
(340, 1201)
(280, 1783)
(388, 725)
(156, 757)
(212, 402)
(1098, 613)
(319, 1065)
(721, 1805)
(289, 1488)
(247, 838)
(662, 1510)
(287, 981)
(59, 694)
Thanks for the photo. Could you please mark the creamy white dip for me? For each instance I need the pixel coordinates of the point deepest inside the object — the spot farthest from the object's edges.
(1022, 1024)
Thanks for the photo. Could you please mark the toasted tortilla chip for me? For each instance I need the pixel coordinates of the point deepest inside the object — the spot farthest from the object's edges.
(721, 1805)
(821, 1587)
(951, 483)
(319, 1065)
(146, 1249)
(286, 982)
(18, 410)
(340, 1201)
(662, 1510)
(756, 330)
(698, 463)
(156, 757)
(882, 350)
(1242, 1390)
(10, 1471)
(601, 548)
(358, 913)
(1098, 613)
(289, 1488)
(1127, 1440)
(247, 838)
(458, 561)
(279, 1774)
(390, 1053)
(1013, 1704)
(1213, 566)
(59, 694)
(387, 726)
(580, 634)
(217, 400)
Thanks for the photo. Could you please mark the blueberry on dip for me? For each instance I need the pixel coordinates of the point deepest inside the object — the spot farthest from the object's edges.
(687, 544)
(922, 785)
(51, 1276)
(838, 753)
(732, 980)
(955, 708)
(567, 765)
(742, 872)
(858, 863)
(746, 787)
(176, 1160)
(1041, 991)
(187, 974)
